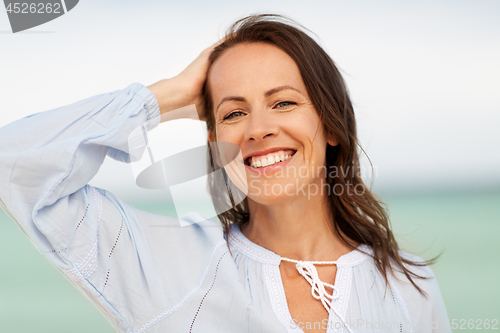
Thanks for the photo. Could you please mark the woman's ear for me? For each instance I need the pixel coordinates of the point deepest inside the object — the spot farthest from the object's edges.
(210, 136)
(332, 140)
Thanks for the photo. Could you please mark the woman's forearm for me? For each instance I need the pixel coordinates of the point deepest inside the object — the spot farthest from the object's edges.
(170, 94)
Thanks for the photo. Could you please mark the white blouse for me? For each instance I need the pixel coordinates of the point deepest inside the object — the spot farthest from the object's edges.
(145, 272)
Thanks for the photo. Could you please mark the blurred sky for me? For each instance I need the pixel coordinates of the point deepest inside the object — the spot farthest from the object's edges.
(424, 76)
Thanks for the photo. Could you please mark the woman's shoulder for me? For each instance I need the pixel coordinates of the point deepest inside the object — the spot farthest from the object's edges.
(430, 301)
(426, 281)
(365, 253)
(424, 270)
(422, 275)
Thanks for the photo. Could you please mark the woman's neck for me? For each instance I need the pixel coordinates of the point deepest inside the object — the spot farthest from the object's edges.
(301, 229)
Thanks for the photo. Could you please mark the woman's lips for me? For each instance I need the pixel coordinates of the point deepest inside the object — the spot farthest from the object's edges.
(274, 157)
(271, 167)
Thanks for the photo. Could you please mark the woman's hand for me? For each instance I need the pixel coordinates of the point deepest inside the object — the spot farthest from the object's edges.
(186, 88)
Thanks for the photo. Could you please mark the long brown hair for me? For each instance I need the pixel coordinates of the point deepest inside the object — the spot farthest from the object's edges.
(360, 217)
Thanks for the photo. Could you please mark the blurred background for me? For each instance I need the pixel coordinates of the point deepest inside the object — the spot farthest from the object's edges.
(425, 80)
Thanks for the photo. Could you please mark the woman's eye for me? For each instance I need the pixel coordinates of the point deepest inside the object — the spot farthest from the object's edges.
(285, 104)
(232, 115)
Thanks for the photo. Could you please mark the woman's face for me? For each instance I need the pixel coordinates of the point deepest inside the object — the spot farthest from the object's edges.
(261, 104)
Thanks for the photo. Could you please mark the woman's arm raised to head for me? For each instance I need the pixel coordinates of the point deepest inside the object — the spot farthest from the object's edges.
(46, 161)
(52, 154)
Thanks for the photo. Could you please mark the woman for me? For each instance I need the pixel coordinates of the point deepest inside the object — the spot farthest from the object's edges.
(309, 248)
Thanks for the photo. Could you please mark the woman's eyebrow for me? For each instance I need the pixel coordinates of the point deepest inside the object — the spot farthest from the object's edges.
(267, 94)
(278, 89)
(231, 98)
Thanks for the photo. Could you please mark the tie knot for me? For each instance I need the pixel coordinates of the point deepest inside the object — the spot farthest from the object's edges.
(318, 291)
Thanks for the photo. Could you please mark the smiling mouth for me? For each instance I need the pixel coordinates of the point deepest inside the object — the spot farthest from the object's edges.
(269, 159)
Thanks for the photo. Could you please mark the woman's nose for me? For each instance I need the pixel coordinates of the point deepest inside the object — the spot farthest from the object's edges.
(261, 126)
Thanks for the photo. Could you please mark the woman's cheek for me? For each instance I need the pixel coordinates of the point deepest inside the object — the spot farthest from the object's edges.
(231, 133)
(302, 121)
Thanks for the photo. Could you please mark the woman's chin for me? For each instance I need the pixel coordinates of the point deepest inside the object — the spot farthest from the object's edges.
(269, 194)
(269, 200)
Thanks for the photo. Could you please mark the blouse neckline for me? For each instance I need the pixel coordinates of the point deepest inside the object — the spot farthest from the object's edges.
(260, 254)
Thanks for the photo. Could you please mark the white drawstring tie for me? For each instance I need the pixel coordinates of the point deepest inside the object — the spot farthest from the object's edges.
(318, 291)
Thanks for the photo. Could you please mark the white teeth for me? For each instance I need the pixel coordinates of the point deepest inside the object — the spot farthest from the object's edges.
(269, 161)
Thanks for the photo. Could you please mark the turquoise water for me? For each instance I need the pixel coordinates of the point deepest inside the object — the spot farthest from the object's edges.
(35, 297)
(466, 228)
